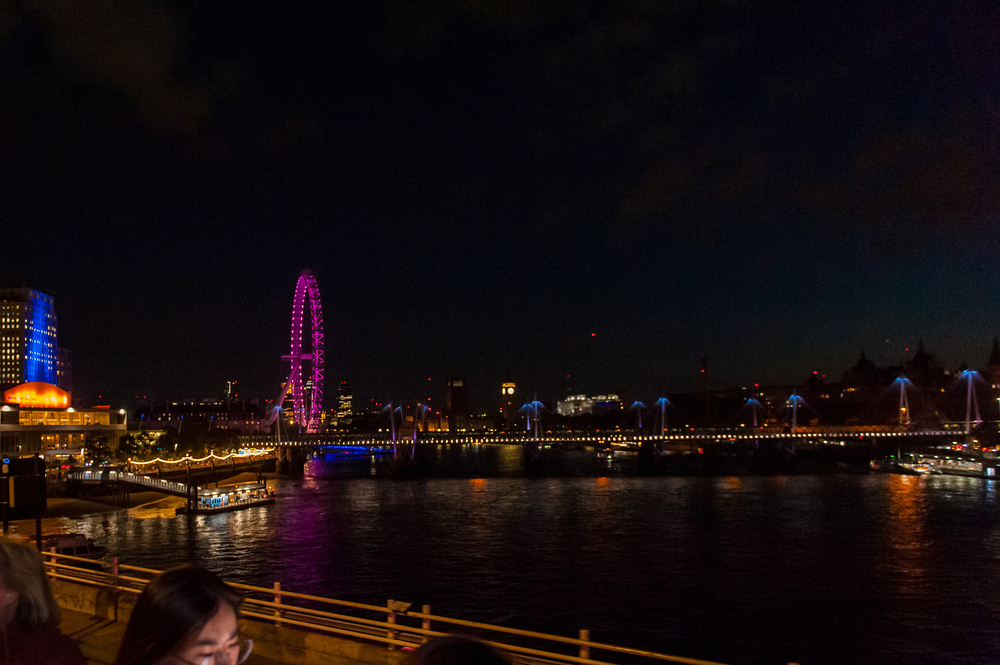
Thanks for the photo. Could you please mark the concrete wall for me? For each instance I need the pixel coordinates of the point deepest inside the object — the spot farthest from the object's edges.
(299, 647)
(282, 644)
(96, 601)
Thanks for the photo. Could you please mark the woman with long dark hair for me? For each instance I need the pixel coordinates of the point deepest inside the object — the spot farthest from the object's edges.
(29, 615)
(184, 616)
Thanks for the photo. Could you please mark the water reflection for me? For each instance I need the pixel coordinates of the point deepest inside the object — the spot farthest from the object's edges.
(818, 569)
(163, 508)
(905, 526)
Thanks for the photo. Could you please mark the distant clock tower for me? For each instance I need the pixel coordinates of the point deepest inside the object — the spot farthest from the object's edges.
(507, 408)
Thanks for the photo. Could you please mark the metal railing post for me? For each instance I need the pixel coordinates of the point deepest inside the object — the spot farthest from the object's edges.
(277, 599)
(391, 619)
(115, 590)
(585, 648)
(426, 625)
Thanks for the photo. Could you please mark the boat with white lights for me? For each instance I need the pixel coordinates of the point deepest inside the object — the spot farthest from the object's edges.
(949, 463)
(954, 463)
(908, 466)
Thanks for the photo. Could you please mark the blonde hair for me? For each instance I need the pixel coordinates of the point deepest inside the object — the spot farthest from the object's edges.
(23, 571)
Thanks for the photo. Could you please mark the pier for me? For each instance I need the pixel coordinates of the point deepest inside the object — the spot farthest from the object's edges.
(228, 498)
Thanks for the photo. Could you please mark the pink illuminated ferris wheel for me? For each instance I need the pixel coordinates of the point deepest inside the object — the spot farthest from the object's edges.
(307, 396)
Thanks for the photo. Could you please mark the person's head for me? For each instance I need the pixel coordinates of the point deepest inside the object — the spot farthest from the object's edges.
(25, 594)
(454, 650)
(184, 616)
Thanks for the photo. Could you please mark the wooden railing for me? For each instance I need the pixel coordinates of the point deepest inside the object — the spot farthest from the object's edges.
(394, 624)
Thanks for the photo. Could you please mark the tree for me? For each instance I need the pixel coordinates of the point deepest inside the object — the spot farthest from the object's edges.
(97, 449)
(146, 443)
(221, 441)
(128, 447)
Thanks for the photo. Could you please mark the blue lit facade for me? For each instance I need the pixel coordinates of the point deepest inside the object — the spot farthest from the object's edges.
(40, 339)
(28, 350)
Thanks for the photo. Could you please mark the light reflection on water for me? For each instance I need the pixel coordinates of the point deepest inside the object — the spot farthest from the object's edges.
(813, 569)
(157, 509)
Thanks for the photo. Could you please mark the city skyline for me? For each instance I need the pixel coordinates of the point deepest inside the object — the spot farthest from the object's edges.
(616, 303)
(607, 193)
(437, 390)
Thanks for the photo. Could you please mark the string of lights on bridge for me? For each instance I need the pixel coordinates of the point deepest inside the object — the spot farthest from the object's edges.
(188, 458)
(320, 441)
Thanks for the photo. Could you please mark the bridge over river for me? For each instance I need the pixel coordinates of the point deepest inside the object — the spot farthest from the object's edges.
(831, 435)
(307, 399)
(183, 480)
(106, 476)
(292, 449)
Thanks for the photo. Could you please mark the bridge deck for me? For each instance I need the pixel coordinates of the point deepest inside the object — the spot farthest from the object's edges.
(146, 482)
(815, 434)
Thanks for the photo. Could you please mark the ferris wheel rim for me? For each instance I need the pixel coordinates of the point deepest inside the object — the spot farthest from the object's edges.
(306, 288)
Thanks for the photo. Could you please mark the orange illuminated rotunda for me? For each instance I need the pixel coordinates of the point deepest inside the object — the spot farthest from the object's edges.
(36, 417)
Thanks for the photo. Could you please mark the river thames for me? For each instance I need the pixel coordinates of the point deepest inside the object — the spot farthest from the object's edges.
(831, 568)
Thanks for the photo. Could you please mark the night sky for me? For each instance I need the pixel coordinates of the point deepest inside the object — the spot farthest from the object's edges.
(610, 191)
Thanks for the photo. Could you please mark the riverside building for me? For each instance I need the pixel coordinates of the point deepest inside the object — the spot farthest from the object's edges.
(581, 405)
(28, 350)
(36, 418)
(238, 414)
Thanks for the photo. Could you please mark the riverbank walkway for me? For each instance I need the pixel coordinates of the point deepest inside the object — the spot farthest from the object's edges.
(291, 628)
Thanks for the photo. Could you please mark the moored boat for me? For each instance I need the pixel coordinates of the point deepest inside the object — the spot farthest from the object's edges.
(72, 544)
(908, 467)
(949, 464)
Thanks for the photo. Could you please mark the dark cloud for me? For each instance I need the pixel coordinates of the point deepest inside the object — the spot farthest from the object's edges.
(928, 176)
(132, 49)
(500, 176)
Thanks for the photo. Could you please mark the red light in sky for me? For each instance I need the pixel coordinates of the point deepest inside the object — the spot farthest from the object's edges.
(593, 334)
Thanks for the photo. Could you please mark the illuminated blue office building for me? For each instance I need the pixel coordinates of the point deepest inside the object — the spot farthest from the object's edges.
(28, 350)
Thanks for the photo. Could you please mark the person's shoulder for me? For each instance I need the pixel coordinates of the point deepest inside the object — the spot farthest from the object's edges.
(46, 645)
